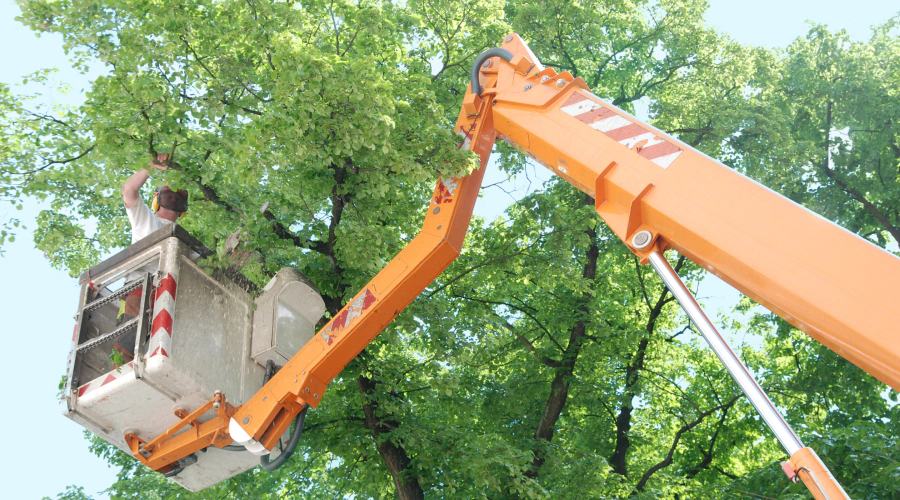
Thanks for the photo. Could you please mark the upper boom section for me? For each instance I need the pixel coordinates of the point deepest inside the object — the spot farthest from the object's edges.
(828, 282)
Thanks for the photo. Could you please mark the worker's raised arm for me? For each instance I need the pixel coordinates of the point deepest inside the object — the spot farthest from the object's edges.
(132, 187)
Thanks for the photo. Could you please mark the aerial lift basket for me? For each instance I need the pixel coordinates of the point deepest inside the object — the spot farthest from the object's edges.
(192, 335)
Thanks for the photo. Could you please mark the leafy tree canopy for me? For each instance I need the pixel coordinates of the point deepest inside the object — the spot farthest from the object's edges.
(546, 362)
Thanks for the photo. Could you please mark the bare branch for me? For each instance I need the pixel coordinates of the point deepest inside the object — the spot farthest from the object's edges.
(520, 309)
(56, 162)
(678, 434)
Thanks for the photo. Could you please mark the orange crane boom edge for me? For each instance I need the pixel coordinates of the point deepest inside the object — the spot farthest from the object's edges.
(655, 193)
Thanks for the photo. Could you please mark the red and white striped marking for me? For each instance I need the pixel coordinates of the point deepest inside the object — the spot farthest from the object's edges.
(467, 139)
(446, 188)
(105, 379)
(71, 357)
(347, 315)
(619, 128)
(163, 316)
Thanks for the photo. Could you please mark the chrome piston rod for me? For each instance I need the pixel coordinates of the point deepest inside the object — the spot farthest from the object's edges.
(733, 364)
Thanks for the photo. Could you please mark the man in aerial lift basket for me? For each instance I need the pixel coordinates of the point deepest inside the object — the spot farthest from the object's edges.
(168, 206)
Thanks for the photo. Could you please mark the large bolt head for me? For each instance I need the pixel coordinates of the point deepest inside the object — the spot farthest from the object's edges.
(509, 38)
(487, 64)
(642, 239)
(560, 82)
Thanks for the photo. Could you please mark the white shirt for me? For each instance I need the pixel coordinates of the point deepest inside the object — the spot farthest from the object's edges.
(143, 220)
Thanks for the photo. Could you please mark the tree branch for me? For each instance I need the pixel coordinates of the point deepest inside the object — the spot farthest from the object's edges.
(684, 429)
(56, 162)
(527, 343)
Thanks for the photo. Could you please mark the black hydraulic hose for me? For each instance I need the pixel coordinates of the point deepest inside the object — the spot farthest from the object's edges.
(291, 446)
(270, 370)
(174, 472)
(476, 66)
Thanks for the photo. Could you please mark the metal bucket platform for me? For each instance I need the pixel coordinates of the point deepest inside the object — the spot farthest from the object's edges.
(190, 338)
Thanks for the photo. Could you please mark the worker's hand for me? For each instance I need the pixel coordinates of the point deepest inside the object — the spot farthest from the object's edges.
(160, 162)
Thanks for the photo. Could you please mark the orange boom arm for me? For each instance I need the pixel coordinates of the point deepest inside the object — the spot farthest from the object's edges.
(830, 283)
(655, 193)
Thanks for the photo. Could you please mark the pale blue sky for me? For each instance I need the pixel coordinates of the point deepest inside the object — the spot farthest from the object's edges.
(38, 303)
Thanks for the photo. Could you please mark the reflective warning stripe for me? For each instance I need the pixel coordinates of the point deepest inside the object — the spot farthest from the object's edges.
(632, 135)
(446, 188)
(163, 316)
(160, 334)
(106, 379)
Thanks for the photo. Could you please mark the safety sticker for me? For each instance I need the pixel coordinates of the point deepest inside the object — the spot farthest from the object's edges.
(621, 129)
(446, 188)
(344, 318)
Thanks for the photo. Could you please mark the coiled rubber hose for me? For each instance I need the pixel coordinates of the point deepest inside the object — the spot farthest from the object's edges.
(264, 461)
(174, 472)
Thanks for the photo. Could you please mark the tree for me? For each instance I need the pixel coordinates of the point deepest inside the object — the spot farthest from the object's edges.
(546, 362)
(313, 112)
(10, 148)
(832, 109)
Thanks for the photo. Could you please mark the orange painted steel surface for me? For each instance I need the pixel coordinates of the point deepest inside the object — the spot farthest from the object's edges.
(816, 476)
(163, 451)
(826, 281)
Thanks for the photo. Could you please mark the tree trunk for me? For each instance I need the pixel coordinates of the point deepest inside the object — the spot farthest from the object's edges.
(559, 388)
(618, 459)
(395, 457)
